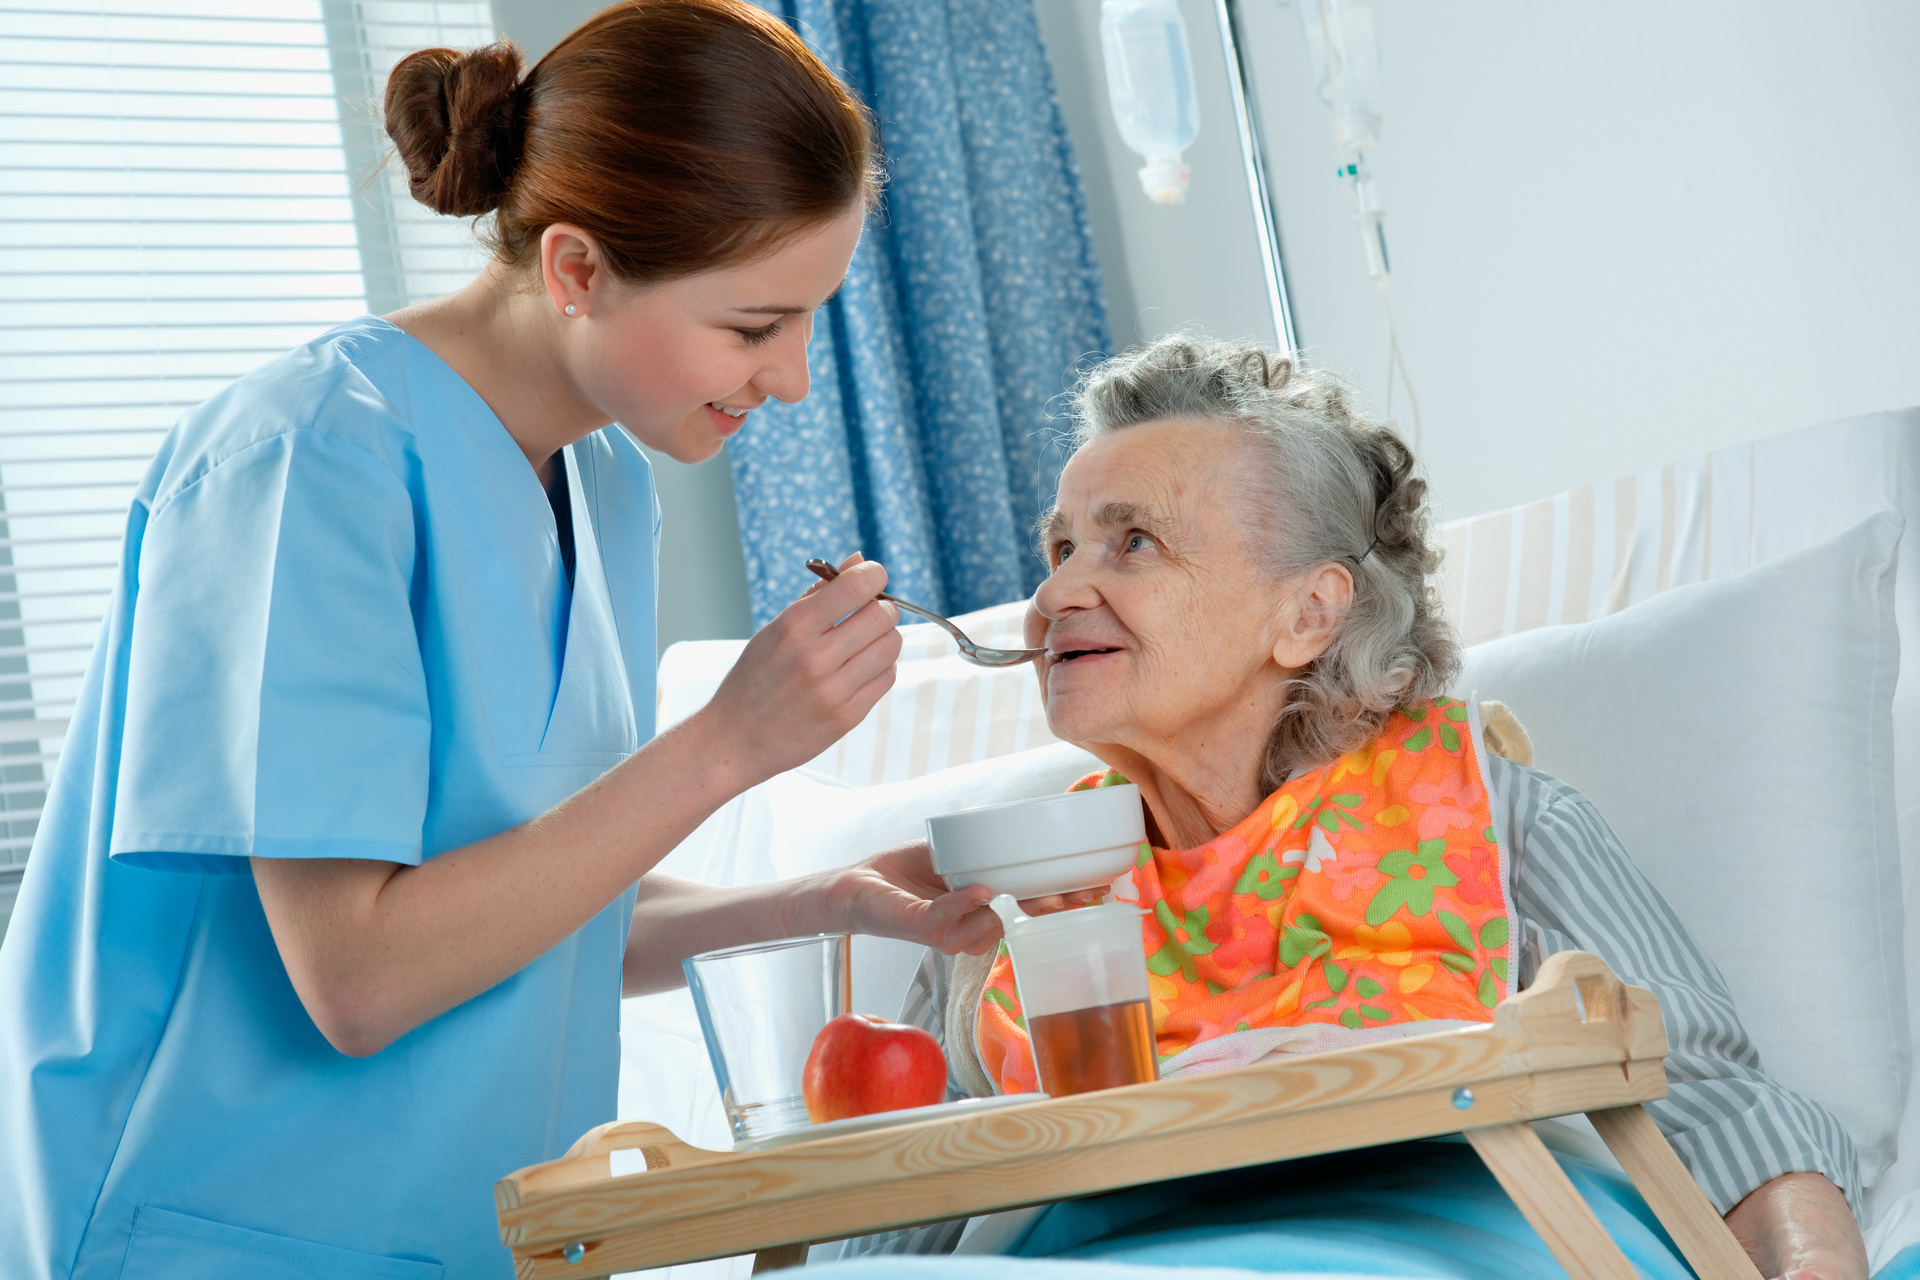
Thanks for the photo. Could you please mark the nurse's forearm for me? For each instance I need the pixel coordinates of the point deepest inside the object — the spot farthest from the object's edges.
(374, 949)
(675, 918)
(891, 894)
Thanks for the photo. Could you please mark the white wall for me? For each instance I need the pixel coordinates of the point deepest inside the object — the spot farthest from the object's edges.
(703, 573)
(1621, 233)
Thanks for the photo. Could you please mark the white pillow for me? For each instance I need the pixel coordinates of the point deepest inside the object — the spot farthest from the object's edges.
(1737, 734)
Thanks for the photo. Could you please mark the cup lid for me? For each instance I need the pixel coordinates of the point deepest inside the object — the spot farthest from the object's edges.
(1031, 830)
(1075, 922)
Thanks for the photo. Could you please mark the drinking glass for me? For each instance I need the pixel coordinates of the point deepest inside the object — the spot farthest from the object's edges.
(760, 1008)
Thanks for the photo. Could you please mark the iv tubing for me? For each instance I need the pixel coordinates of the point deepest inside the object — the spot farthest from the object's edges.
(1372, 229)
(1396, 360)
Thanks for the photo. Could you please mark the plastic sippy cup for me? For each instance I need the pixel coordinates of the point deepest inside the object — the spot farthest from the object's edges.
(1082, 977)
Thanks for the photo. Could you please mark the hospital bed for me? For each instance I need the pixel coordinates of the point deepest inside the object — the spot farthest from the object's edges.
(1834, 1024)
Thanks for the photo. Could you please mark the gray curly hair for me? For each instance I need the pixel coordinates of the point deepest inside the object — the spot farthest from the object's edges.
(1329, 484)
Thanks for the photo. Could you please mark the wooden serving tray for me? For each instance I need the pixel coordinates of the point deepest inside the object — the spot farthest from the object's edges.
(1578, 1040)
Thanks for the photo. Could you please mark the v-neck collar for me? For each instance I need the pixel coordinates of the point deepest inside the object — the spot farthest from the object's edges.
(592, 703)
(560, 499)
(591, 711)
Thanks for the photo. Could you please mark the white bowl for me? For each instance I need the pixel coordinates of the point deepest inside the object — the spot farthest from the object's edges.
(1029, 848)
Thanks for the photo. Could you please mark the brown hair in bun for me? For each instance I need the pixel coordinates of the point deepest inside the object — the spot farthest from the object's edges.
(685, 135)
(453, 120)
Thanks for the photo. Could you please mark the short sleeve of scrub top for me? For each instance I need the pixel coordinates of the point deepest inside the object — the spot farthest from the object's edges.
(276, 702)
(342, 629)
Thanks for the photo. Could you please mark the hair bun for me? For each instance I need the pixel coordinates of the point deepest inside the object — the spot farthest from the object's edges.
(455, 118)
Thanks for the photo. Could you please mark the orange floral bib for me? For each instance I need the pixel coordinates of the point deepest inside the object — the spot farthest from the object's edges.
(1363, 895)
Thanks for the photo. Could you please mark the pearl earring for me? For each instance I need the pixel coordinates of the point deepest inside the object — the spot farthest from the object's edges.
(570, 308)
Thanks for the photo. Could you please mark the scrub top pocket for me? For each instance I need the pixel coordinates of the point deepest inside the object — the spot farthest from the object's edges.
(168, 1245)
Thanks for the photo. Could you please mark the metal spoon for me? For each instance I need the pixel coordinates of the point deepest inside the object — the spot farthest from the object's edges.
(976, 654)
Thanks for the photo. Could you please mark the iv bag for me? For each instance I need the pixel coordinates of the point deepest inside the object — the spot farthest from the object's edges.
(1150, 81)
(1347, 78)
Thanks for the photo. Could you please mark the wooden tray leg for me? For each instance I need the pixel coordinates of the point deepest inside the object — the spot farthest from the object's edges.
(1550, 1202)
(1675, 1198)
(780, 1257)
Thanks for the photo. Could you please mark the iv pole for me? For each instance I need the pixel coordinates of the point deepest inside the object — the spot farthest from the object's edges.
(1246, 118)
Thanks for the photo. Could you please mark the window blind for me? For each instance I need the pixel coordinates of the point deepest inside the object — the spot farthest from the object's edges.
(187, 188)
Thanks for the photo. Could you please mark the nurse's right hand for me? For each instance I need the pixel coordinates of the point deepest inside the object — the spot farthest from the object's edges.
(807, 677)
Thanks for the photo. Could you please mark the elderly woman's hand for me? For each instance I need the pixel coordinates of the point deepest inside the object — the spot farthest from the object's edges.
(1798, 1227)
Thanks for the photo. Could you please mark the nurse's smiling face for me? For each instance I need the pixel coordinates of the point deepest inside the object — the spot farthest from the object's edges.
(680, 364)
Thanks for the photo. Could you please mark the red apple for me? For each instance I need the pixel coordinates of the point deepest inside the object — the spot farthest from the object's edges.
(861, 1064)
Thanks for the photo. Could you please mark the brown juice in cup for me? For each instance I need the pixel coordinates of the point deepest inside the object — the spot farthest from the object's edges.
(1098, 1048)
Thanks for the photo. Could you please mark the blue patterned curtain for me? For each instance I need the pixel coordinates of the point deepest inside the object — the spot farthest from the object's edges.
(926, 442)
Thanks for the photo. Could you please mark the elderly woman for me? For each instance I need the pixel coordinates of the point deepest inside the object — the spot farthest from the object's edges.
(1238, 620)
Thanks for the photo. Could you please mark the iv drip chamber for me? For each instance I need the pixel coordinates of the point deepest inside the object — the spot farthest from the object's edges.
(1150, 82)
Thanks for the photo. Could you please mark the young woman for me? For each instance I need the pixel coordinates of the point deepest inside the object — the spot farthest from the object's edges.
(347, 854)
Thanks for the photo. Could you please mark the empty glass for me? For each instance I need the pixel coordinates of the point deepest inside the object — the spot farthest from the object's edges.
(760, 1008)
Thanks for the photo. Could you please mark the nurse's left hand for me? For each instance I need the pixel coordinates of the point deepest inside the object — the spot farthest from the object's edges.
(895, 894)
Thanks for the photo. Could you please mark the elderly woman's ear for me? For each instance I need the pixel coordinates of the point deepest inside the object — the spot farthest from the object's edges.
(1311, 613)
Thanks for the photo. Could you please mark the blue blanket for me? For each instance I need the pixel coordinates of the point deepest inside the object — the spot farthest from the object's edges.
(1426, 1210)
(1904, 1265)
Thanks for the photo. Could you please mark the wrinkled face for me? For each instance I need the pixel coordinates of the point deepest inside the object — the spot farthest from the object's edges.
(680, 364)
(1157, 618)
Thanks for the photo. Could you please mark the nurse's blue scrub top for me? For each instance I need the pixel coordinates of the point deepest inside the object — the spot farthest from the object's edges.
(342, 630)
